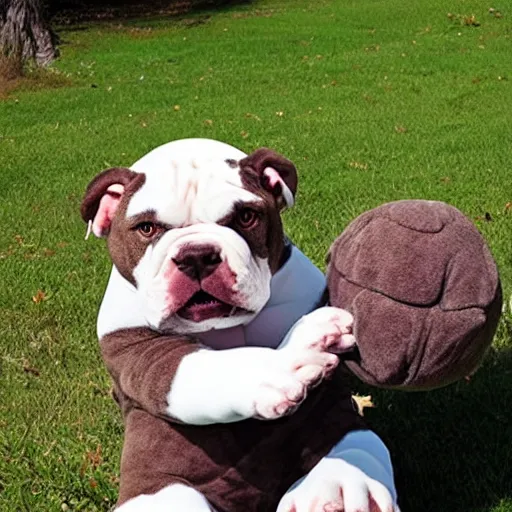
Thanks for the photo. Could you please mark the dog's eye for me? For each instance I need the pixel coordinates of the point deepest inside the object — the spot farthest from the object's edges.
(146, 229)
(247, 218)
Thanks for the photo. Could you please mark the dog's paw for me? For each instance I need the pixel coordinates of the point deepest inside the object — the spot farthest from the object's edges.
(326, 329)
(337, 486)
(275, 386)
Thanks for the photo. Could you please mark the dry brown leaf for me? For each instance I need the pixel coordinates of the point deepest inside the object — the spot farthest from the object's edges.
(358, 165)
(39, 297)
(95, 458)
(92, 460)
(30, 369)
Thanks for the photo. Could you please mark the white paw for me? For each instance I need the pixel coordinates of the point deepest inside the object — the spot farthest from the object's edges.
(325, 329)
(337, 486)
(222, 386)
(277, 383)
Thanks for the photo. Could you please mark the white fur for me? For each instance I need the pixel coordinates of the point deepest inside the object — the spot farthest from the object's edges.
(174, 498)
(326, 328)
(334, 484)
(230, 385)
(358, 467)
(252, 277)
(188, 181)
(121, 307)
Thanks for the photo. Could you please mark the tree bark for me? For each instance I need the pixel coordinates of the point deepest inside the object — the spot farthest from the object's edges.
(24, 33)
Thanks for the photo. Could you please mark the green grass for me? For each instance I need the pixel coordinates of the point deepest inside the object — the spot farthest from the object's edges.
(374, 101)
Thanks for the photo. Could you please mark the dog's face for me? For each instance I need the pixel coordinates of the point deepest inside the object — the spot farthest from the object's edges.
(195, 226)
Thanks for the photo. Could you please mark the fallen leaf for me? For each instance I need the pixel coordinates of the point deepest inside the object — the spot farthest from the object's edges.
(39, 297)
(6, 254)
(358, 165)
(30, 369)
(95, 457)
(471, 21)
(115, 479)
(176, 108)
(362, 403)
(91, 459)
(252, 116)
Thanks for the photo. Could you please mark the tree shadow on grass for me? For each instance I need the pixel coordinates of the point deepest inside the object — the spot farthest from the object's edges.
(452, 448)
(75, 12)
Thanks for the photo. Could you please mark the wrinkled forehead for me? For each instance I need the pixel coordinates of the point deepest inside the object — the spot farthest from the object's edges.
(186, 190)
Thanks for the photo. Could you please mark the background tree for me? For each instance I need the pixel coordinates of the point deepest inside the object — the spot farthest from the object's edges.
(25, 35)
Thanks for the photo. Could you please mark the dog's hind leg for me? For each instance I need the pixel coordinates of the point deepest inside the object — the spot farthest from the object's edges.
(355, 476)
(173, 498)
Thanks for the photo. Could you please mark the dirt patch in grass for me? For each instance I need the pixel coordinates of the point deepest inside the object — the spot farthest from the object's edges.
(14, 77)
(11, 72)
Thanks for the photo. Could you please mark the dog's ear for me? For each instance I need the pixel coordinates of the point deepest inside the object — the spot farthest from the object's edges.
(275, 173)
(102, 198)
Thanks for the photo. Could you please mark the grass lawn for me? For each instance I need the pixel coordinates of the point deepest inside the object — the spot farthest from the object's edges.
(373, 100)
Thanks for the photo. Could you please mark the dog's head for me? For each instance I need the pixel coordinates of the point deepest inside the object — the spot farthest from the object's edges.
(195, 226)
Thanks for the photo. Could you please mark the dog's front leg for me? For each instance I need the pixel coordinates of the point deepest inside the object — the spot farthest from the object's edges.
(175, 377)
(249, 382)
(230, 385)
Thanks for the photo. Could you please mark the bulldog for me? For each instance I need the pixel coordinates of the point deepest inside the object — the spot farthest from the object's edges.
(211, 323)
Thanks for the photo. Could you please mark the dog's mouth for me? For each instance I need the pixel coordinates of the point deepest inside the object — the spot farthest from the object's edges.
(203, 306)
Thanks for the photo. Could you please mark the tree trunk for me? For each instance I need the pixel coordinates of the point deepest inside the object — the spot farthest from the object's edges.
(24, 33)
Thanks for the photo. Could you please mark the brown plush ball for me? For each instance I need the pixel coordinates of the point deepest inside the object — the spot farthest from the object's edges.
(424, 291)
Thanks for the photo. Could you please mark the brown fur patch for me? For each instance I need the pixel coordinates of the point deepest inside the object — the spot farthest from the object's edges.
(126, 245)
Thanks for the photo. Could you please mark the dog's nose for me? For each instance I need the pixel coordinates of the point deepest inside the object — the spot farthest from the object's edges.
(198, 262)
